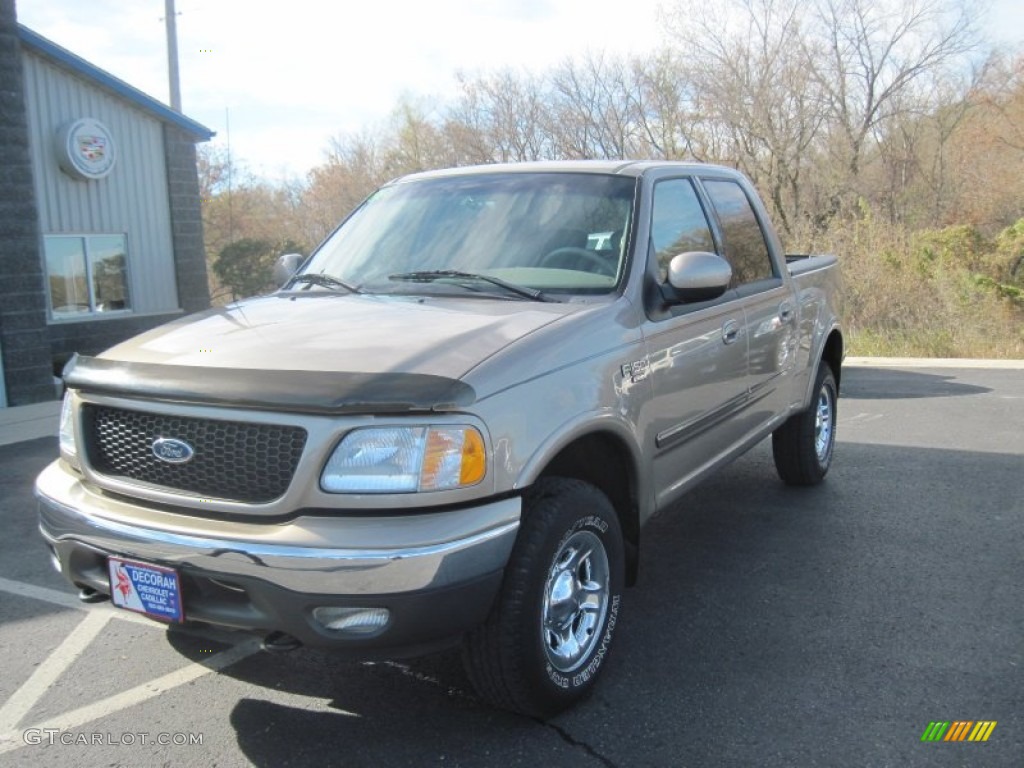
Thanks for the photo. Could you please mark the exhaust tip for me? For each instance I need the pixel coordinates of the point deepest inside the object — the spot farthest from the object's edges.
(90, 595)
(280, 642)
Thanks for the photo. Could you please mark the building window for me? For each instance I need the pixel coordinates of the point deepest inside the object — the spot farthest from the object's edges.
(87, 274)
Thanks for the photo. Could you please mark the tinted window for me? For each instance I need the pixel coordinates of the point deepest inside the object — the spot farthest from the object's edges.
(745, 246)
(678, 223)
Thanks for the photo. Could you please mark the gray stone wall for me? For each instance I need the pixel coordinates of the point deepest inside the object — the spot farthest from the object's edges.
(28, 367)
(186, 220)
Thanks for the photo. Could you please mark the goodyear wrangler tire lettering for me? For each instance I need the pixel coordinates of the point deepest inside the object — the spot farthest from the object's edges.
(551, 628)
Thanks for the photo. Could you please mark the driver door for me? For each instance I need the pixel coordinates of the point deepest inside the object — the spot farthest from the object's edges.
(697, 353)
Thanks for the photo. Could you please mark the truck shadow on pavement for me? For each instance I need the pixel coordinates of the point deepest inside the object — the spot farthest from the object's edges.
(771, 626)
(891, 384)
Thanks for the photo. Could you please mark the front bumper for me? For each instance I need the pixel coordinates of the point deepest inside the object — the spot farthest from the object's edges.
(437, 573)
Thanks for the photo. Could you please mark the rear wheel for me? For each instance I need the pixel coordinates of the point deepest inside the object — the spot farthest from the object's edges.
(549, 632)
(803, 446)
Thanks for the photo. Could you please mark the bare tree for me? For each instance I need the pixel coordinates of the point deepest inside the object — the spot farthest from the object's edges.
(665, 107)
(353, 169)
(917, 156)
(803, 96)
(746, 61)
(877, 62)
(986, 150)
(593, 112)
(506, 111)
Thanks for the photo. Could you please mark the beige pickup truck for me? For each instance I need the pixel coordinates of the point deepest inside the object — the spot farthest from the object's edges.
(452, 422)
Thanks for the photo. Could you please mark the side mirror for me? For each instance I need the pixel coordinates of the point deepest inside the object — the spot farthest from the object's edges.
(286, 266)
(698, 276)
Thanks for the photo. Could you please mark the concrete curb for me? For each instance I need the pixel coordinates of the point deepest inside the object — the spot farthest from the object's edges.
(29, 422)
(932, 362)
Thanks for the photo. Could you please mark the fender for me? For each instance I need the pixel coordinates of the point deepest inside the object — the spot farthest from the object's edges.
(605, 422)
(818, 356)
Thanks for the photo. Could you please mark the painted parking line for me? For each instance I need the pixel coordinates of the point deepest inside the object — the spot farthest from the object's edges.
(65, 600)
(860, 418)
(16, 739)
(47, 673)
(78, 641)
(44, 594)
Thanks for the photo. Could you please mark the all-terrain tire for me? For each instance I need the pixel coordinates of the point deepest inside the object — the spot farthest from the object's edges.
(549, 632)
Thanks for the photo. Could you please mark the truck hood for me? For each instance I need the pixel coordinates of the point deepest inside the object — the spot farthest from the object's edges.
(318, 352)
(353, 333)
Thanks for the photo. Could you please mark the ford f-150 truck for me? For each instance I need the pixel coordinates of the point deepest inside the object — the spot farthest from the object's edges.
(452, 421)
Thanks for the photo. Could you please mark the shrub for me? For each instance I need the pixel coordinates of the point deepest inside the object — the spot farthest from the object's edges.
(246, 266)
(932, 293)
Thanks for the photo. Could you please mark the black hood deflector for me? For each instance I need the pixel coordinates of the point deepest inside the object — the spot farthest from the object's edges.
(318, 392)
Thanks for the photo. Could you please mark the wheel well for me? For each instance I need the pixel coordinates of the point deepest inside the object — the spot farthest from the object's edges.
(604, 461)
(833, 354)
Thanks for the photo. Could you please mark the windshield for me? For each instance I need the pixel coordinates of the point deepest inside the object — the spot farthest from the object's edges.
(561, 233)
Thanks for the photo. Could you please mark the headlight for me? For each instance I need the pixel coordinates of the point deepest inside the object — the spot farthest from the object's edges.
(67, 428)
(405, 459)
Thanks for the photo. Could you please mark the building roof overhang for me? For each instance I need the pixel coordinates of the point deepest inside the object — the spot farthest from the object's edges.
(65, 58)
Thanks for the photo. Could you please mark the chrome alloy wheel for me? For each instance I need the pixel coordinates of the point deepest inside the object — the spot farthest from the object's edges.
(575, 601)
(823, 424)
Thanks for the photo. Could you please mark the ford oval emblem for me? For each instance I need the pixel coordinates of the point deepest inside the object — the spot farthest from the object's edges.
(172, 450)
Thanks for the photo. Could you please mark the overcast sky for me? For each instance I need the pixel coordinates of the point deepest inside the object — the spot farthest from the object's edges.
(291, 74)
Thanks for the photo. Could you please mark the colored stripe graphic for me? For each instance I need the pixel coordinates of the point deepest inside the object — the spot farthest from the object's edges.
(982, 730)
(958, 730)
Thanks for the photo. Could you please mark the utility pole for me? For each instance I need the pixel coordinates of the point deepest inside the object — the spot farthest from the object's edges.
(172, 54)
(231, 223)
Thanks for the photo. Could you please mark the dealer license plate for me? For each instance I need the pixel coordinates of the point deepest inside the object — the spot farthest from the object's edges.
(145, 588)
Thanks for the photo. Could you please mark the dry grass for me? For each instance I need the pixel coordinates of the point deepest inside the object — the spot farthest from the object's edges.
(934, 293)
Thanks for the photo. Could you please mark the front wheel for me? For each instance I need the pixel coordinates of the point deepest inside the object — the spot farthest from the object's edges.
(549, 632)
(802, 447)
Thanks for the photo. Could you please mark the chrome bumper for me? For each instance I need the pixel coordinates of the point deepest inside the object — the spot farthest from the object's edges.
(321, 555)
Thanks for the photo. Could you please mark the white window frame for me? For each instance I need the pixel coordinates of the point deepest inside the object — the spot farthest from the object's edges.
(93, 313)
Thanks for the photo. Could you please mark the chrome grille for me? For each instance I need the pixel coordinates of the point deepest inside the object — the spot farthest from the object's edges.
(233, 460)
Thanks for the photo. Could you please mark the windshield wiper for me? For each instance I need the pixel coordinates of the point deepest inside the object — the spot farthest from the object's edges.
(324, 281)
(429, 276)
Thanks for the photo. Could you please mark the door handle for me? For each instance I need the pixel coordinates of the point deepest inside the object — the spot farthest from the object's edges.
(730, 332)
(785, 312)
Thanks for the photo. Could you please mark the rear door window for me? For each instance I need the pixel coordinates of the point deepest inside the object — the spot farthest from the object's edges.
(745, 246)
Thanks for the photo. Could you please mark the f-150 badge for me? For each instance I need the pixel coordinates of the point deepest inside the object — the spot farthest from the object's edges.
(636, 371)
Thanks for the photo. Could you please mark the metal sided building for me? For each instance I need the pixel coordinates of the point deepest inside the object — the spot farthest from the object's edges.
(100, 225)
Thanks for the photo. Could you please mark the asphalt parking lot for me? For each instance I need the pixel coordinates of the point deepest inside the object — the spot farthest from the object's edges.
(770, 627)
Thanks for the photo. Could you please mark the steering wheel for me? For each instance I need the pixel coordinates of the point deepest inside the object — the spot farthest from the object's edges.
(568, 256)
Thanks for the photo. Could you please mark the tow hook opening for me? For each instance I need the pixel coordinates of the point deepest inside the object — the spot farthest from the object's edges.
(280, 642)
